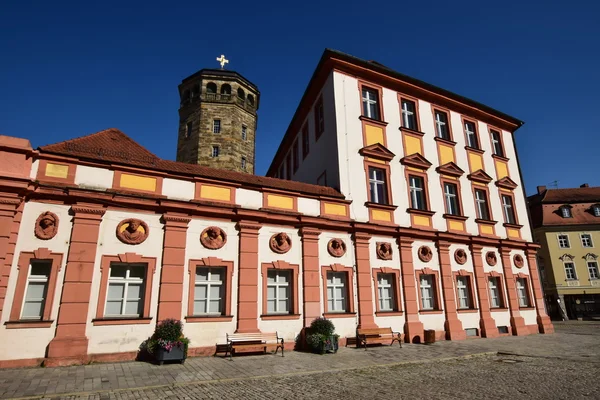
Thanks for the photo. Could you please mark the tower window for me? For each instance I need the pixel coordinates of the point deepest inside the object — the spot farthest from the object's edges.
(215, 151)
(211, 87)
(244, 133)
(226, 89)
(188, 129)
(251, 100)
(217, 126)
(243, 163)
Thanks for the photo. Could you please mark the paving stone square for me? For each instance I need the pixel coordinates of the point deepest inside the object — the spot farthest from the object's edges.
(564, 365)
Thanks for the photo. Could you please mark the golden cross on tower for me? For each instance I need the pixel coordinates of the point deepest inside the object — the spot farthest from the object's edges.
(222, 60)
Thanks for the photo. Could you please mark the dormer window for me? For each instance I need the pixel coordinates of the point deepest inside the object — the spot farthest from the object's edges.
(565, 211)
(596, 210)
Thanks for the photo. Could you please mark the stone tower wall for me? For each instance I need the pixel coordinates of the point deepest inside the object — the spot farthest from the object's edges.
(201, 108)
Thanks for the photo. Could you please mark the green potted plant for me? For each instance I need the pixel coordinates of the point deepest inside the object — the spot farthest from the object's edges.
(321, 336)
(168, 343)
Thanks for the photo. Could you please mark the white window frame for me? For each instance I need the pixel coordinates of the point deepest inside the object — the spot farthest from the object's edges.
(471, 135)
(333, 299)
(36, 279)
(408, 114)
(463, 292)
(566, 212)
(482, 203)
(593, 270)
(523, 292)
(383, 288)
(596, 210)
(427, 286)
(416, 191)
(216, 126)
(495, 292)
(588, 239)
(440, 125)
(497, 143)
(244, 163)
(508, 206)
(126, 282)
(209, 283)
(570, 270)
(565, 243)
(278, 284)
(375, 182)
(368, 102)
(215, 152)
(452, 208)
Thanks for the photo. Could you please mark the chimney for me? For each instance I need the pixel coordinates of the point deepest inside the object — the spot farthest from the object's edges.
(541, 189)
(584, 185)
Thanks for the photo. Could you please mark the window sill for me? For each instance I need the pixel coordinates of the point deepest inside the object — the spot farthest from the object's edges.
(373, 121)
(455, 217)
(485, 221)
(501, 158)
(389, 313)
(444, 141)
(420, 212)
(339, 315)
(207, 318)
(271, 317)
(492, 309)
(526, 308)
(514, 226)
(120, 321)
(431, 311)
(388, 207)
(474, 150)
(414, 132)
(467, 310)
(25, 324)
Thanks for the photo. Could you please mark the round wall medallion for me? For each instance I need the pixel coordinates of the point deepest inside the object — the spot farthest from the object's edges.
(518, 260)
(336, 247)
(460, 256)
(213, 238)
(46, 226)
(280, 243)
(425, 253)
(490, 258)
(384, 250)
(132, 231)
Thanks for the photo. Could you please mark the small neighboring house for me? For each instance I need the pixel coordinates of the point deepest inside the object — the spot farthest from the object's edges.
(566, 223)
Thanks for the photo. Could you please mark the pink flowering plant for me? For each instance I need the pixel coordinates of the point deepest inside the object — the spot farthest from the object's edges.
(167, 335)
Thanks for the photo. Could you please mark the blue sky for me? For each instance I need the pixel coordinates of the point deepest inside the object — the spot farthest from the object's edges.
(70, 68)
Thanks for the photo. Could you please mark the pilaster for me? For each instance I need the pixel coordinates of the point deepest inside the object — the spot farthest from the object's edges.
(413, 327)
(170, 298)
(247, 313)
(11, 211)
(516, 320)
(310, 274)
(366, 317)
(70, 343)
(453, 326)
(544, 323)
(486, 323)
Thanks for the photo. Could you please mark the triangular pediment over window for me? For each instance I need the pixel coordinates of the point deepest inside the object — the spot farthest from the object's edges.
(415, 160)
(450, 169)
(506, 183)
(480, 176)
(377, 151)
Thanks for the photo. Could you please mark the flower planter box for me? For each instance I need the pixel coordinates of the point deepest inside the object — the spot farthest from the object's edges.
(329, 346)
(177, 353)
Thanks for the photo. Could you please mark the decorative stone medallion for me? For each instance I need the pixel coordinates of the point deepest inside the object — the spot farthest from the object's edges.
(490, 258)
(280, 243)
(336, 247)
(384, 250)
(425, 254)
(46, 225)
(213, 238)
(132, 231)
(518, 260)
(460, 256)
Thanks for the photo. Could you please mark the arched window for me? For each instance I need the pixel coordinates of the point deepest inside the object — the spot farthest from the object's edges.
(195, 91)
(241, 93)
(211, 87)
(226, 89)
(251, 100)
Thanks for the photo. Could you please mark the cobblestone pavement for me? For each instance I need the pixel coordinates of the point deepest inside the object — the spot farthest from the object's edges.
(563, 365)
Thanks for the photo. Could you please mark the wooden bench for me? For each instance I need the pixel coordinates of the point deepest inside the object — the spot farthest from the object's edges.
(253, 340)
(375, 335)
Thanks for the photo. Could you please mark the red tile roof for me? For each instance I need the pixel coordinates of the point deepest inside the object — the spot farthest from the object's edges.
(573, 195)
(112, 145)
